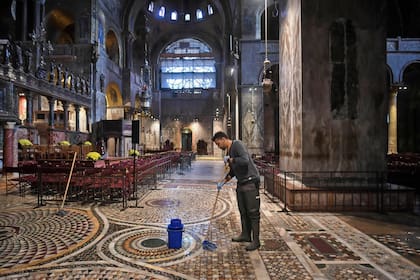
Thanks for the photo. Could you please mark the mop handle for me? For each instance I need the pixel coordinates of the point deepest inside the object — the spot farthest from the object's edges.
(212, 215)
(68, 180)
(215, 201)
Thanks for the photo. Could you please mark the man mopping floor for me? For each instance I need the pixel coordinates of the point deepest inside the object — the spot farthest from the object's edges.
(247, 190)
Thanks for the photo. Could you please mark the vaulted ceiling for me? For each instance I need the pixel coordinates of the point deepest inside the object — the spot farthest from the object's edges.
(214, 29)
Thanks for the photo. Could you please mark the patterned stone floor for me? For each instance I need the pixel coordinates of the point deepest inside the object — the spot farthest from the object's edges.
(93, 241)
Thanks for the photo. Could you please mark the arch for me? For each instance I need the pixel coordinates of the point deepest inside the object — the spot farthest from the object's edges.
(186, 139)
(408, 108)
(222, 23)
(272, 20)
(113, 95)
(112, 46)
(405, 66)
(133, 10)
(161, 45)
(390, 75)
(60, 27)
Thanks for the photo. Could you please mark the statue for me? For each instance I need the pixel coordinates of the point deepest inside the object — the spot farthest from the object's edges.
(72, 82)
(28, 62)
(58, 74)
(7, 54)
(77, 84)
(18, 56)
(65, 77)
(51, 75)
(87, 86)
(82, 85)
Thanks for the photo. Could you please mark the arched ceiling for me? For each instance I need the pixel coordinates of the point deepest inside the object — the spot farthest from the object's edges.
(214, 29)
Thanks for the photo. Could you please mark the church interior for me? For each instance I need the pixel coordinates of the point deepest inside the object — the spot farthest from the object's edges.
(107, 113)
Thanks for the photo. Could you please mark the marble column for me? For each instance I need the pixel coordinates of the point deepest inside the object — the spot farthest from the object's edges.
(66, 115)
(24, 21)
(87, 119)
(392, 122)
(36, 22)
(77, 110)
(51, 103)
(9, 147)
(29, 108)
(217, 126)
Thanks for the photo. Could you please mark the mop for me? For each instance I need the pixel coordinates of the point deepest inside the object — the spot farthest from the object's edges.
(208, 245)
(61, 211)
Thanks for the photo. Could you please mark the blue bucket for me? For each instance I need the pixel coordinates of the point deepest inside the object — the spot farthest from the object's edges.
(175, 229)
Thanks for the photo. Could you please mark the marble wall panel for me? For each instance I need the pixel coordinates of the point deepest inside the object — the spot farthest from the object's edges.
(290, 86)
(355, 138)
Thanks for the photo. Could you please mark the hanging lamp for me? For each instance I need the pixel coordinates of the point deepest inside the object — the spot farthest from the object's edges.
(267, 84)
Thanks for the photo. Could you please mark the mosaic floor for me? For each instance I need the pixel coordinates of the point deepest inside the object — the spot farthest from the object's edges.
(93, 241)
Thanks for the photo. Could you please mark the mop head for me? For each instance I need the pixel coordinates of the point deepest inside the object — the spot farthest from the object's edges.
(61, 213)
(209, 246)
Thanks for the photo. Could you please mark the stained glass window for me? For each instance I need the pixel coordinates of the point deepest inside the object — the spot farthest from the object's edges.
(187, 64)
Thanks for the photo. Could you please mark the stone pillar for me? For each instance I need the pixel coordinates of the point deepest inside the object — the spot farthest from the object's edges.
(37, 13)
(129, 40)
(217, 126)
(37, 22)
(392, 122)
(332, 109)
(77, 110)
(29, 108)
(51, 103)
(10, 147)
(87, 110)
(24, 21)
(66, 115)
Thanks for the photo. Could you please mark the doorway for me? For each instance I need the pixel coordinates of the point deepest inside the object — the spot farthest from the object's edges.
(186, 138)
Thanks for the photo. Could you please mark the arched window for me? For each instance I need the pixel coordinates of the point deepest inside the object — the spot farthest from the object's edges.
(187, 64)
(199, 14)
(111, 46)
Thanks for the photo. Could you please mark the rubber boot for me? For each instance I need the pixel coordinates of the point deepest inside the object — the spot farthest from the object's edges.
(255, 244)
(245, 235)
(241, 238)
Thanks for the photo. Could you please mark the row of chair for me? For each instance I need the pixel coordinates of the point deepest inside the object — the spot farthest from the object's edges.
(120, 181)
(38, 152)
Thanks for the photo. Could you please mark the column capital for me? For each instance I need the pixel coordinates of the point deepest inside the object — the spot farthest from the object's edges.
(10, 125)
(29, 95)
(66, 104)
(397, 87)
